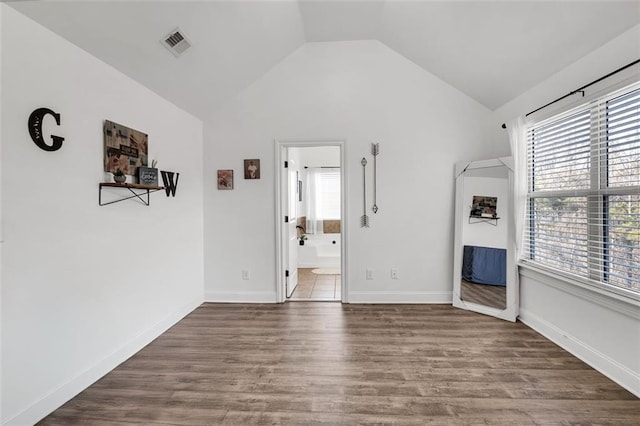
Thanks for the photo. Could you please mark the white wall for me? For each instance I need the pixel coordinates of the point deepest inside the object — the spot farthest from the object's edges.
(319, 156)
(620, 51)
(83, 286)
(362, 92)
(1, 208)
(599, 329)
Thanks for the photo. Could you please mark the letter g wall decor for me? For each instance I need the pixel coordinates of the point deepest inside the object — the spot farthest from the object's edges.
(35, 129)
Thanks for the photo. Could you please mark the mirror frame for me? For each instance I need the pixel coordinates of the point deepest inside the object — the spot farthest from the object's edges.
(461, 214)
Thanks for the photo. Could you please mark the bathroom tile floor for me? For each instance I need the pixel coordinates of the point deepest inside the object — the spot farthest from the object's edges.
(316, 287)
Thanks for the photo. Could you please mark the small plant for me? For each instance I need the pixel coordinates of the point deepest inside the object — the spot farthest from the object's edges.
(303, 237)
(119, 176)
(153, 164)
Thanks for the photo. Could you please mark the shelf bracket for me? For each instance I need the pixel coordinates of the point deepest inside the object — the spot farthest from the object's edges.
(490, 220)
(146, 190)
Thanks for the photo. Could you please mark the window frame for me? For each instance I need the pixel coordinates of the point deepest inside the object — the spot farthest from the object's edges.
(597, 194)
(330, 178)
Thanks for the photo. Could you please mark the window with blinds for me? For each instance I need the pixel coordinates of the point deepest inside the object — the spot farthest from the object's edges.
(329, 194)
(583, 213)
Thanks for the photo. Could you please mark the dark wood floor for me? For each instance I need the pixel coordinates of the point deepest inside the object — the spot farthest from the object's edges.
(329, 364)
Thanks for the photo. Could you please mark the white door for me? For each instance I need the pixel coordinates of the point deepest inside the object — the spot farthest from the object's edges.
(291, 235)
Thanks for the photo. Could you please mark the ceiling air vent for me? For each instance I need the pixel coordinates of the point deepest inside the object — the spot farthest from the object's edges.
(176, 42)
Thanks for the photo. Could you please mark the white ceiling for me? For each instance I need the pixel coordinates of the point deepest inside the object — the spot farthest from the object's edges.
(491, 50)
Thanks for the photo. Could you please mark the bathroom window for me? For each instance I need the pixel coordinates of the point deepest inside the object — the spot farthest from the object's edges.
(329, 203)
(323, 187)
(584, 191)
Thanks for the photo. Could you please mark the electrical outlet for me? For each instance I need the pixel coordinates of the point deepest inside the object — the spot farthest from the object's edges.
(369, 274)
(394, 273)
(246, 274)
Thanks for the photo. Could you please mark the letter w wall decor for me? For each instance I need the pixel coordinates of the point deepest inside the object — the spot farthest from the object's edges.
(169, 184)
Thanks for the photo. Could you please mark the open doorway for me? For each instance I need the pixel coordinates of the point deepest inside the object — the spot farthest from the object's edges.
(310, 191)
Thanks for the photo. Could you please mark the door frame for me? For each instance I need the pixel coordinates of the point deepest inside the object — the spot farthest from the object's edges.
(280, 146)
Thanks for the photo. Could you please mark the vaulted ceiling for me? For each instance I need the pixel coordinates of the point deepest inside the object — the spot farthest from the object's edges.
(491, 50)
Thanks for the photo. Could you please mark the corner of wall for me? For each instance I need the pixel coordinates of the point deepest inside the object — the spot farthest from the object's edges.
(606, 365)
(2, 6)
(539, 309)
(113, 307)
(57, 397)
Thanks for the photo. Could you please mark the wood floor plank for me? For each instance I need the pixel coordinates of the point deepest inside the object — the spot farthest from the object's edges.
(314, 363)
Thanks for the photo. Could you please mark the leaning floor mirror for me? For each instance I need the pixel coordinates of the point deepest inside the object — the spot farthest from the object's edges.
(484, 264)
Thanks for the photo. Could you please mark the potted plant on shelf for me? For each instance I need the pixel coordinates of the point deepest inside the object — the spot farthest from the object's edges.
(301, 234)
(119, 176)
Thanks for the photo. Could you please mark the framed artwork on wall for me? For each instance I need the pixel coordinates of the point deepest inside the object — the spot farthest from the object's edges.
(484, 206)
(252, 169)
(225, 179)
(124, 148)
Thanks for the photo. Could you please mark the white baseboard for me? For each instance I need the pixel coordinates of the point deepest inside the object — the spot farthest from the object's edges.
(41, 408)
(240, 296)
(400, 297)
(617, 372)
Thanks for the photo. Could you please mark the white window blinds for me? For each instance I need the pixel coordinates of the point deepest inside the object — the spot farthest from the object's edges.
(584, 191)
(323, 197)
(329, 194)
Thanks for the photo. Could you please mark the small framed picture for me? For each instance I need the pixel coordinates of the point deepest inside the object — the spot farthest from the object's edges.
(252, 169)
(225, 179)
(484, 206)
